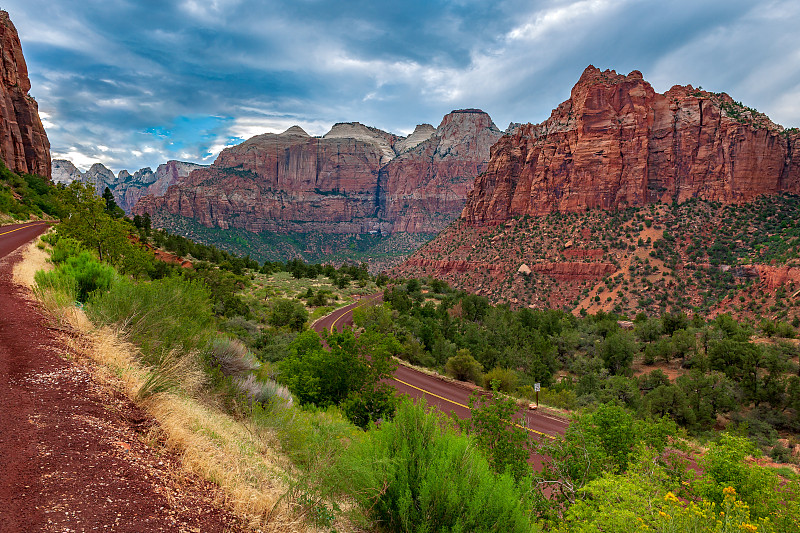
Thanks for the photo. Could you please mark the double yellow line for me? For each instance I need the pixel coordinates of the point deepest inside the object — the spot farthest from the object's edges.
(467, 407)
(23, 227)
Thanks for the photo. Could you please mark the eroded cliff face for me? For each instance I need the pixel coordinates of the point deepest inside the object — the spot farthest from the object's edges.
(423, 187)
(23, 142)
(354, 179)
(617, 143)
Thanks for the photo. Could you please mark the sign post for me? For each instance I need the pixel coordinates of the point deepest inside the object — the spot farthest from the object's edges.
(537, 387)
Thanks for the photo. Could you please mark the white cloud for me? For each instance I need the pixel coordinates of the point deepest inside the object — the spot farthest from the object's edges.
(78, 158)
(558, 19)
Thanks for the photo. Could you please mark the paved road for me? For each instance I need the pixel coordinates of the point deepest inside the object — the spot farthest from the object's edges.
(446, 395)
(15, 235)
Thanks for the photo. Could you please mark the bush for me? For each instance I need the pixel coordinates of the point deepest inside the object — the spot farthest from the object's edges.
(230, 356)
(288, 313)
(505, 379)
(79, 276)
(158, 316)
(464, 367)
(89, 274)
(417, 474)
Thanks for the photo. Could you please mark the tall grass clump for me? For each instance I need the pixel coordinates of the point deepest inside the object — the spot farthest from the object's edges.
(230, 356)
(416, 473)
(77, 275)
(158, 316)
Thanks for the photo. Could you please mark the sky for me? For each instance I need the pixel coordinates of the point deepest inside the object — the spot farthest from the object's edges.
(136, 83)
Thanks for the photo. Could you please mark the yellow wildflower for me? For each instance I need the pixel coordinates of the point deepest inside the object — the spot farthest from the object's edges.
(670, 497)
(750, 528)
(729, 491)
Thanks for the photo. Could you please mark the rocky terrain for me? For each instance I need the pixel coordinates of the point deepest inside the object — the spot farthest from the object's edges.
(24, 146)
(353, 180)
(573, 212)
(127, 188)
(698, 257)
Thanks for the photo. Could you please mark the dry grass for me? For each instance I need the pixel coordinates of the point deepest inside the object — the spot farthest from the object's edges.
(33, 260)
(253, 476)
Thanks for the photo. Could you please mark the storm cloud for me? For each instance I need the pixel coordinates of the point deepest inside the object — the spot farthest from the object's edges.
(135, 83)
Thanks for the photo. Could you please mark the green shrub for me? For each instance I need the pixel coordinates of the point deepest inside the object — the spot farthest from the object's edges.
(63, 248)
(59, 282)
(417, 474)
(505, 379)
(158, 316)
(78, 275)
(464, 367)
(289, 313)
(90, 274)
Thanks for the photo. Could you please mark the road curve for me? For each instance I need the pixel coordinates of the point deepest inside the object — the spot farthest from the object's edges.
(446, 395)
(15, 235)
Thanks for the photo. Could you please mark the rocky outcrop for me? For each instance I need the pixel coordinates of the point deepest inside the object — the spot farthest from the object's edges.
(421, 133)
(65, 172)
(574, 271)
(355, 130)
(354, 179)
(617, 143)
(101, 176)
(23, 142)
(127, 188)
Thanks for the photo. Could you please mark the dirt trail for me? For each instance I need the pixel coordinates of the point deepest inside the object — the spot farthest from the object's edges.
(73, 451)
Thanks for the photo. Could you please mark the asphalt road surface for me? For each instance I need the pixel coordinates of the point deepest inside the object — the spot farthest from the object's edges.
(14, 236)
(448, 396)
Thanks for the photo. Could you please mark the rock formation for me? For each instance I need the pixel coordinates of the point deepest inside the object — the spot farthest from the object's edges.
(127, 188)
(423, 187)
(355, 179)
(617, 143)
(23, 142)
(65, 172)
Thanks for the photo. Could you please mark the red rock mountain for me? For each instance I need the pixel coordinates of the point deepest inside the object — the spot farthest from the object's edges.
(616, 142)
(355, 179)
(23, 142)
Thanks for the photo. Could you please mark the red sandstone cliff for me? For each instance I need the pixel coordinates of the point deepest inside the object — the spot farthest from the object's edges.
(424, 187)
(23, 142)
(355, 179)
(616, 143)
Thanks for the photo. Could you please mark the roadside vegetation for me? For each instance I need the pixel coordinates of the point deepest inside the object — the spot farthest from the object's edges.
(670, 415)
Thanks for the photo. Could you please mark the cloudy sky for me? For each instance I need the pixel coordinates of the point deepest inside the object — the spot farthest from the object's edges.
(133, 83)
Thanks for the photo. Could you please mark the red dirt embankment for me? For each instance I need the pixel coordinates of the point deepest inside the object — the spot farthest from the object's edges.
(73, 455)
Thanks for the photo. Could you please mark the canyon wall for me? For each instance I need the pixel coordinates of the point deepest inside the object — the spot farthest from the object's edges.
(354, 179)
(617, 142)
(23, 142)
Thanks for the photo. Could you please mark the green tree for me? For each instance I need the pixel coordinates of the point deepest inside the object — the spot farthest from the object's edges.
(499, 434)
(112, 208)
(350, 374)
(464, 367)
(289, 313)
(87, 221)
(617, 351)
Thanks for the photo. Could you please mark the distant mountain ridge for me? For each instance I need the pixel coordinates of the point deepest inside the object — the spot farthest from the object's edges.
(353, 180)
(127, 188)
